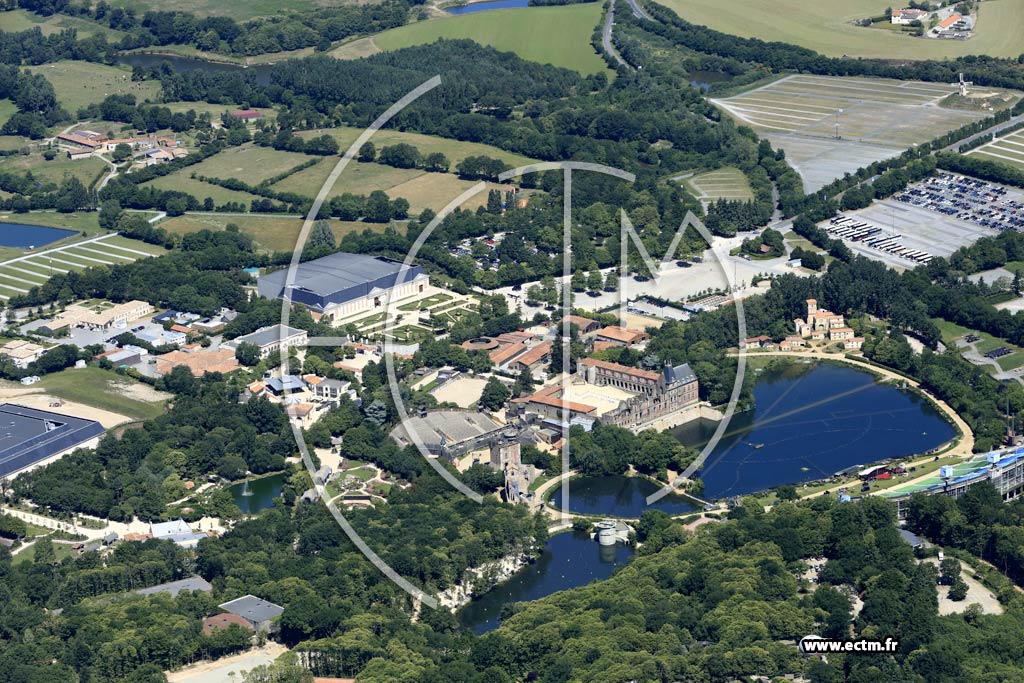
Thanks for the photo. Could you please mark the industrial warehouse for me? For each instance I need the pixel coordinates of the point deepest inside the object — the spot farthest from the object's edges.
(342, 284)
(31, 437)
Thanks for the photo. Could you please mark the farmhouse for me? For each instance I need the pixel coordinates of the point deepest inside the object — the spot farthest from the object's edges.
(341, 284)
(908, 16)
(31, 437)
(244, 114)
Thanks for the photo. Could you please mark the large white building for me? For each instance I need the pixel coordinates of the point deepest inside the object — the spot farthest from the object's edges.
(342, 284)
(271, 339)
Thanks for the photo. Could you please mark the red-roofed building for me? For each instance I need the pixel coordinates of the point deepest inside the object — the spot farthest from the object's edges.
(221, 621)
(244, 114)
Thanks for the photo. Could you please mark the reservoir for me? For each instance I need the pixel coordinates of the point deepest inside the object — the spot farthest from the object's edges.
(254, 495)
(811, 421)
(25, 236)
(181, 64)
(569, 560)
(487, 5)
(618, 496)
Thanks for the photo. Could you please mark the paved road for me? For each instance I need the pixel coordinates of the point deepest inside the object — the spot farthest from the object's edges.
(606, 36)
(994, 130)
(638, 11)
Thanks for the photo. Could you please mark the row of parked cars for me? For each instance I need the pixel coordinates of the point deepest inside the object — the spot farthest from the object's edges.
(968, 199)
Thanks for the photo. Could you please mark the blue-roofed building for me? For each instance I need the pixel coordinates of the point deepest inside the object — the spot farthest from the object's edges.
(342, 284)
(30, 437)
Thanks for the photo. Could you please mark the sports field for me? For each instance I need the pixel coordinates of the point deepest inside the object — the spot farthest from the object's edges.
(82, 83)
(722, 183)
(274, 233)
(875, 119)
(825, 26)
(455, 150)
(19, 275)
(1008, 150)
(549, 35)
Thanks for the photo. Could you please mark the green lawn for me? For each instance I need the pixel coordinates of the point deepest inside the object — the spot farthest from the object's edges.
(951, 332)
(103, 389)
(549, 35)
(275, 233)
(60, 551)
(825, 26)
(81, 83)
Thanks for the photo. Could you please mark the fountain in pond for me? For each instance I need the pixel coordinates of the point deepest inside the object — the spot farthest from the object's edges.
(245, 489)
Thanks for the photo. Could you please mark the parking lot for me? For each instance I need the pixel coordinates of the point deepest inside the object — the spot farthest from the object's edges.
(968, 199)
(905, 235)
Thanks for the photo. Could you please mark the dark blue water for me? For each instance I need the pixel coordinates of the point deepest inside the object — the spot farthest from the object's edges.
(181, 64)
(489, 4)
(24, 236)
(261, 493)
(569, 560)
(618, 496)
(812, 421)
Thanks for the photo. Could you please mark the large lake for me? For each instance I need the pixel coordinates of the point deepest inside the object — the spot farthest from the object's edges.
(811, 421)
(569, 560)
(617, 496)
(257, 494)
(24, 236)
(488, 5)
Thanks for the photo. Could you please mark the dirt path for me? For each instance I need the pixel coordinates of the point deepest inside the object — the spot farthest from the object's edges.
(227, 668)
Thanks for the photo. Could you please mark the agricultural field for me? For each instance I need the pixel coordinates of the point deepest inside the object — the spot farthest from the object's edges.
(22, 20)
(423, 190)
(7, 109)
(1008, 149)
(13, 142)
(825, 26)
(79, 84)
(20, 274)
(239, 10)
(455, 150)
(548, 35)
(181, 182)
(249, 163)
(722, 183)
(274, 233)
(88, 171)
(214, 110)
(875, 118)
